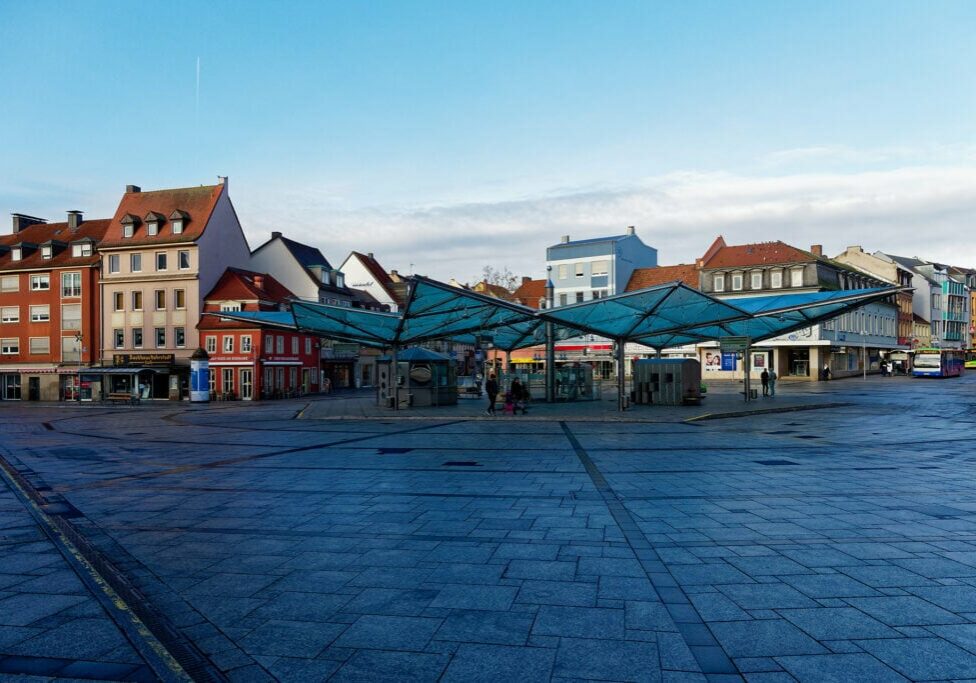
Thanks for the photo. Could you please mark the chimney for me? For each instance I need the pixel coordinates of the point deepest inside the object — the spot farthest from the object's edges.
(259, 281)
(564, 239)
(370, 255)
(817, 249)
(275, 235)
(526, 280)
(631, 230)
(132, 189)
(225, 181)
(21, 221)
(74, 220)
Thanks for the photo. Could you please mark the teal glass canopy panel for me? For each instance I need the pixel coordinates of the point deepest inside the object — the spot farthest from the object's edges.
(272, 318)
(644, 313)
(346, 324)
(518, 336)
(763, 305)
(436, 310)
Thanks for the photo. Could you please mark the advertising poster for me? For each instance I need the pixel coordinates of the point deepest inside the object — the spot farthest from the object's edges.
(728, 362)
(713, 361)
(759, 361)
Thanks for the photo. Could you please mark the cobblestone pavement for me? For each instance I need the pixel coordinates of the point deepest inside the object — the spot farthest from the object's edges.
(834, 544)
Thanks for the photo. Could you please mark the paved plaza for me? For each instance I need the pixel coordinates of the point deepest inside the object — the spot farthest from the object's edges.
(319, 540)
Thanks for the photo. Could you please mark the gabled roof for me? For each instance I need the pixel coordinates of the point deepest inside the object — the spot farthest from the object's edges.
(531, 293)
(497, 291)
(39, 233)
(650, 277)
(380, 276)
(238, 283)
(197, 202)
(756, 254)
(306, 255)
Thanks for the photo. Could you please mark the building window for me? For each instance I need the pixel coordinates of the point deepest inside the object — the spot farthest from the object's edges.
(776, 279)
(245, 343)
(211, 344)
(16, 254)
(160, 261)
(70, 349)
(10, 314)
(563, 272)
(281, 344)
(46, 252)
(184, 256)
(118, 336)
(563, 299)
(113, 263)
(137, 301)
(80, 250)
(40, 283)
(135, 263)
(160, 337)
(579, 270)
(40, 345)
(228, 377)
(152, 228)
(757, 280)
(180, 334)
(40, 314)
(177, 226)
(294, 346)
(160, 300)
(127, 230)
(228, 344)
(599, 267)
(212, 380)
(70, 285)
(796, 277)
(9, 283)
(137, 337)
(308, 346)
(718, 283)
(118, 300)
(736, 282)
(180, 296)
(579, 297)
(9, 347)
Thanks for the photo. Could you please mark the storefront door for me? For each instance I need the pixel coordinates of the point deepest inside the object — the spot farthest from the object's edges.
(306, 381)
(247, 384)
(10, 384)
(33, 388)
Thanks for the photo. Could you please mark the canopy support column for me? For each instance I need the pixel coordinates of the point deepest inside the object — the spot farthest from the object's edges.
(621, 367)
(746, 382)
(550, 341)
(395, 379)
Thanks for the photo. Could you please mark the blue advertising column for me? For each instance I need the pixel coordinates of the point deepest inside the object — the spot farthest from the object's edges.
(199, 377)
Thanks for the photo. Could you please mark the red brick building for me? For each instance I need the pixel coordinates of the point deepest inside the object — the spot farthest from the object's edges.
(49, 308)
(251, 360)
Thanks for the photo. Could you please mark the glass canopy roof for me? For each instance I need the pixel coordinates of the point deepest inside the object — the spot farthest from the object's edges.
(661, 317)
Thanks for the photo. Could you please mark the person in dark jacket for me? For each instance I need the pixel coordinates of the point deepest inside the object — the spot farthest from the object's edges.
(491, 388)
(520, 395)
(764, 378)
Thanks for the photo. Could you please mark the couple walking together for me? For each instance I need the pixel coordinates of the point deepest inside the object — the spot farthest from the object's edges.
(515, 399)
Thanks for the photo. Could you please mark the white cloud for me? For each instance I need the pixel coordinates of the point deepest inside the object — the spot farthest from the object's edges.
(919, 210)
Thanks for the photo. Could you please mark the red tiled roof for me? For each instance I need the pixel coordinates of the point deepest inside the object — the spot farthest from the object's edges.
(239, 284)
(531, 293)
(760, 253)
(196, 202)
(381, 277)
(43, 232)
(642, 278)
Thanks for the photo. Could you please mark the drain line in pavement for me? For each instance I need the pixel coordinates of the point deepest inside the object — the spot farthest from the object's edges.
(706, 650)
(171, 658)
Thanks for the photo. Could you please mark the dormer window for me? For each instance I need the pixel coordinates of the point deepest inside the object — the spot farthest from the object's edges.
(129, 223)
(81, 249)
(16, 254)
(179, 219)
(153, 221)
(718, 282)
(46, 251)
(152, 227)
(736, 282)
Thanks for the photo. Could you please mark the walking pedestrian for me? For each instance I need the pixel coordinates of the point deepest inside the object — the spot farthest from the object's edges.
(764, 378)
(519, 395)
(772, 382)
(491, 388)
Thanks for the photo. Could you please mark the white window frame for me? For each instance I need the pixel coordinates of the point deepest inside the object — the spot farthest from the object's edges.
(71, 285)
(796, 274)
(246, 343)
(40, 283)
(294, 346)
(308, 346)
(142, 340)
(16, 254)
(179, 259)
(280, 345)
(5, 283)
(756, 275)
(10, 346)
(128, 230)
(156, 306)
(116, 298)
(68, 353)
(118, 338)
(135, 262)
(114, 263)
(737, 282)
(211, 343)
(228, 343)
(152, 228)
(776, 279)
(47, 252)
(718, 282)
(177, 294)
(580, 269)
(42, 314)
(599, 268)
(156, 331)
(40, 352)
(177, 226)
(137, 294)
(6, 317)
(165, 262)
(563, 271)
(177, 333)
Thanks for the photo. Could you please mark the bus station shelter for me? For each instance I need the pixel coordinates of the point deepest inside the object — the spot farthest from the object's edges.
(660, 317)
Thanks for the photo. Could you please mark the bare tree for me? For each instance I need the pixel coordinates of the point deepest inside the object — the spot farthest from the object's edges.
(503, 277)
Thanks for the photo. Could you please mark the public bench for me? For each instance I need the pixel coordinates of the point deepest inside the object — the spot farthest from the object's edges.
(123, 397)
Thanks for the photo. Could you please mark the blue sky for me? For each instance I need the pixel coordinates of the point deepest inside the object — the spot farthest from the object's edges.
(450, 134)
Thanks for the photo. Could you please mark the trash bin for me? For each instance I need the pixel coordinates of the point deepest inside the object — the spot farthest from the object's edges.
(754, 393)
